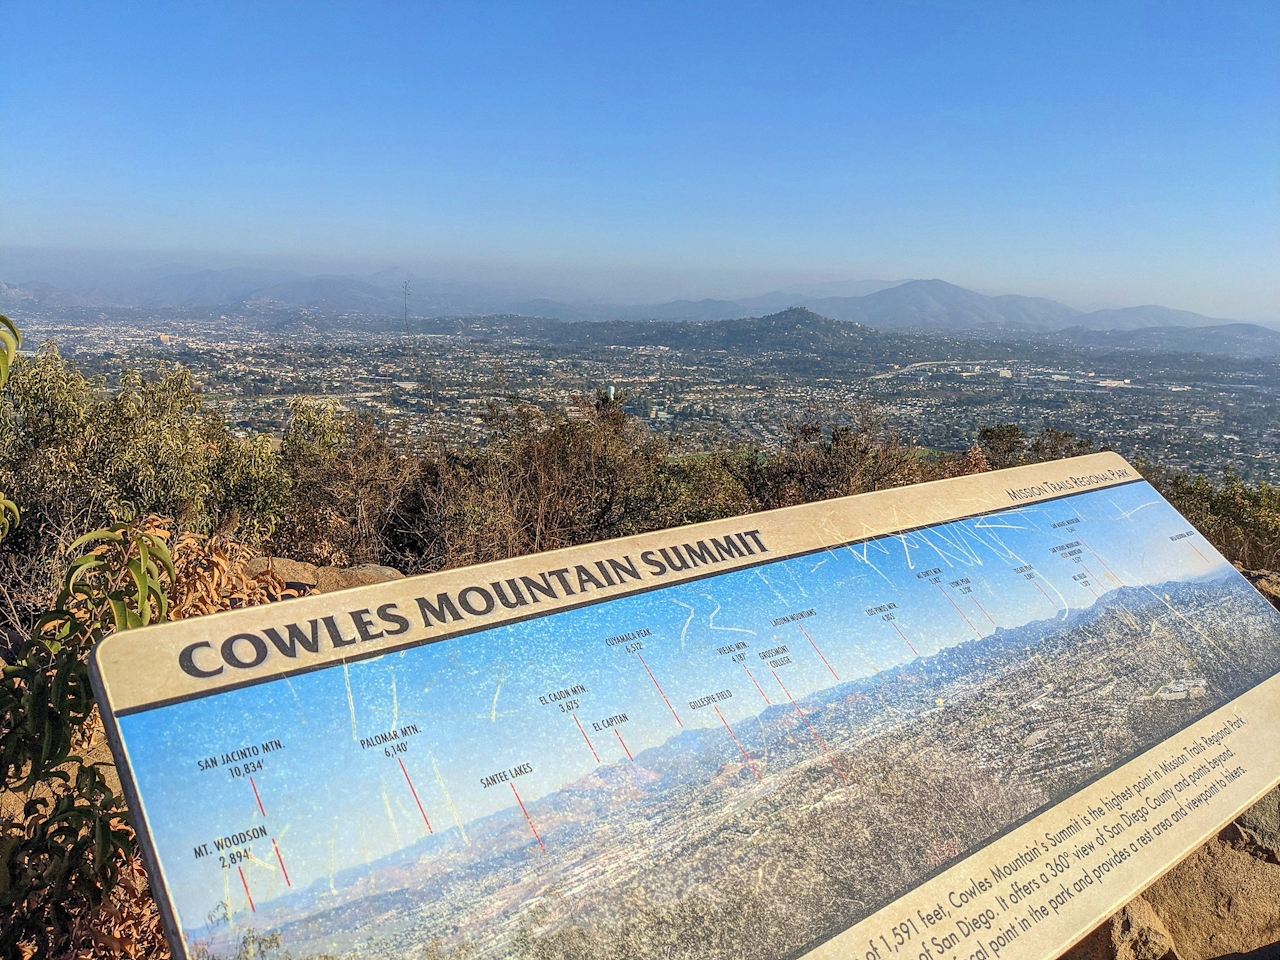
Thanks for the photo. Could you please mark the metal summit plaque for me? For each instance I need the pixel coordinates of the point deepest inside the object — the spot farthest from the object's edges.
(966, 719)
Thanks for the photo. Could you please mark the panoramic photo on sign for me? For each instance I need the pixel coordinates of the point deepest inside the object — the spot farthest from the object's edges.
(965, 719)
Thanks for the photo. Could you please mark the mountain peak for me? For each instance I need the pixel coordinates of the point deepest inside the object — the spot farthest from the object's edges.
(797, 315)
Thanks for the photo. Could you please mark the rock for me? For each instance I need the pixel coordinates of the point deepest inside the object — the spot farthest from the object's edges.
(1220, 900)
(1096, 946)
(1138, 933)
(1223, 900)
(308, 578)
(1135, 933)
(1260, 826)
(329, 579)
(294, 573)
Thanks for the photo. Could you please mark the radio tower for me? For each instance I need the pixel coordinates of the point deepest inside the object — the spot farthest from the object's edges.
(408, 337)
(405, 287)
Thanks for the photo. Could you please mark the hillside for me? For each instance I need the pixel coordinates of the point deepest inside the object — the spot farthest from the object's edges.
(935, 305)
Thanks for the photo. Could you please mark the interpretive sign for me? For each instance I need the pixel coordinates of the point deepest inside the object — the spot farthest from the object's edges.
(966, 719)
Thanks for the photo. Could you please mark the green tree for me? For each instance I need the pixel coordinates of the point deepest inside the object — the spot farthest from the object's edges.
(1003, 445)
(77, 458)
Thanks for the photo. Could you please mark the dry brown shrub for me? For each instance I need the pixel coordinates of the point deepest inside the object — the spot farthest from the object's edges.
(858, 451)
(973, 461)
(211, 577)
(127, 925)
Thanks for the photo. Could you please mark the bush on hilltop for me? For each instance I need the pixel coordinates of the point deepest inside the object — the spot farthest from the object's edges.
(75, 458)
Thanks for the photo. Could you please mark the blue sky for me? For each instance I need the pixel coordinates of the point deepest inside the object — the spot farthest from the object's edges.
(332, 804)
(1109, 152)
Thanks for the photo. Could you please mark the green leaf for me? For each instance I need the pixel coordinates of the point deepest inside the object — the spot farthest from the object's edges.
(111, 535)
(119, 613)
(159, 548)
(141, 583)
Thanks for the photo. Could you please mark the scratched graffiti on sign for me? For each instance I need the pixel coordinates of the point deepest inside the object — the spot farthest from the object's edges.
(750, 760)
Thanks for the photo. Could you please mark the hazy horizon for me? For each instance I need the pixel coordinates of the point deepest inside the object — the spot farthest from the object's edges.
(1103, 155)
(89, 270)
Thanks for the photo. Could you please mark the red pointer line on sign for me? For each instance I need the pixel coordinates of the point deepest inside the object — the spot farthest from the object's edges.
(283, 868)
(819, 652)
(414, 791)
(1198, 553)
(984, 611)
(659, 686)
(821, 743)
(961, 612)
(758, 687)
(1046, 596)
(1101, 561)
(904, 639)
(624, 744)
(1087, 584)
(256, 797)
(245, 884)
(527, 820)
(735, 740)
(586, 738)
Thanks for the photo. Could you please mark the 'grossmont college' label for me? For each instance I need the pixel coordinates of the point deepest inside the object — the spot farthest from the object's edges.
(965, 719)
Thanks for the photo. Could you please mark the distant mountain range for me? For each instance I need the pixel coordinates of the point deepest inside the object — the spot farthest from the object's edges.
(252, 291)
(911, 306)
(798, 338)
(1245, 341)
